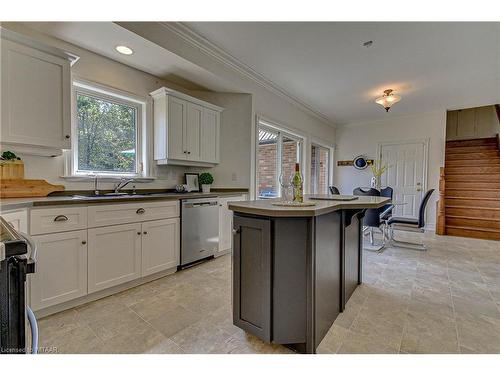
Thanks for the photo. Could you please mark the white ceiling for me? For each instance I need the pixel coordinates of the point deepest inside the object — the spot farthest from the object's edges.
(103, 37)
(433, 66)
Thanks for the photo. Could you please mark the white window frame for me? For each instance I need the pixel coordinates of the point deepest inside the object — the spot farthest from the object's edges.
(330, 164)
(282, 131)
(120, 97)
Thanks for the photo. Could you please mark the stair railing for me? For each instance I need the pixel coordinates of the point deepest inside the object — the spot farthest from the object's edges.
(441, 205)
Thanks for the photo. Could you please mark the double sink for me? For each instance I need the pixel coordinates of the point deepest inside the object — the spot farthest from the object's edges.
(119, 196)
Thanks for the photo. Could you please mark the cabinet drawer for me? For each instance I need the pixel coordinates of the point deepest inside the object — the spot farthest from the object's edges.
(61, 219)
(100, 215)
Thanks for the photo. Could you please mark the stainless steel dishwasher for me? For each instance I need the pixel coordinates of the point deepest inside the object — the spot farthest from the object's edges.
(200, 230)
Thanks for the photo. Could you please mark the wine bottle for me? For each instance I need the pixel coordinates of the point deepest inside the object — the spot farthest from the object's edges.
(298, 185)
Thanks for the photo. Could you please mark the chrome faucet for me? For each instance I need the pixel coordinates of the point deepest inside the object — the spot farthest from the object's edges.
(96, 185)
(123, 182)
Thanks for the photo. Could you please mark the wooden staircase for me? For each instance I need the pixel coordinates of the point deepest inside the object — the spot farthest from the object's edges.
(469, 203)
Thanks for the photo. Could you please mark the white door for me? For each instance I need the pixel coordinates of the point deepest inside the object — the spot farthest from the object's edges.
(114, 255)
(36, 97)
(61, 268)
(193, 131)
(210, 136)
(176, 126)
(160, 245)
(405, 174)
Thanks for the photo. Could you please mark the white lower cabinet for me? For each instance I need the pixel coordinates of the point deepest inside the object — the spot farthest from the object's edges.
(160, 245)
(61, 268)
(17, 218)
(226, 222)
(114, 255)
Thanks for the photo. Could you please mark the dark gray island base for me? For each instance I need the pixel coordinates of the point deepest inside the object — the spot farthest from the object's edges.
(294, 269)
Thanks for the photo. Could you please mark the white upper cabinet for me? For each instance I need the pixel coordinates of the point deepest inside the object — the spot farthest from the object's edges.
(470, 123)
(36, 96)
(186, 129)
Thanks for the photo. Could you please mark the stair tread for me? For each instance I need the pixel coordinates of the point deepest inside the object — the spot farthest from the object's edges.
(477, 229)
(475, 189)
(474, 208)
(475, 198)
(470, 218)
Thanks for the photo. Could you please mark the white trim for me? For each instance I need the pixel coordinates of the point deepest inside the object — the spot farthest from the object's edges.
(143, 165)
(282, 131)
(168, 91)
(330, 165)
(212, 50)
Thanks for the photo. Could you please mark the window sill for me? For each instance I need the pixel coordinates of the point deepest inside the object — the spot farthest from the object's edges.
(109, 178)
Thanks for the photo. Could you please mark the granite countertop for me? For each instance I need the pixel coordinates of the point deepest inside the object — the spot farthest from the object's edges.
(16, 203)
(266, 208)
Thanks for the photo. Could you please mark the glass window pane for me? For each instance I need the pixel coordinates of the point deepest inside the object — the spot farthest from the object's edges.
(320, 167)
(290, 152)
(267, 157)
(106, 135)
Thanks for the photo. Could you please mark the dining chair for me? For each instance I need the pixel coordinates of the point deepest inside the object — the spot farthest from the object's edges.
(372, 219)
(334, 190)
(405, 223)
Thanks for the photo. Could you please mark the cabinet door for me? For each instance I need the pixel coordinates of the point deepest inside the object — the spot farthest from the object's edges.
(226, 222)
(18, 219)
(252, 276)
(486, 122)
(114, 255)
(451, 125)
(176, 128)
(193, 131)
(36, 97)
(466, 123)
(160, 245)
(210, 136)
(61, 268)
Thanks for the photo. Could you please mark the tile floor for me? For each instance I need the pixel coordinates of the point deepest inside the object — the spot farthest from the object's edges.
(445, 300)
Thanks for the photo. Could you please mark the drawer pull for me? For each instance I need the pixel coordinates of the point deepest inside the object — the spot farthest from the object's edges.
(61, 218)
(140, 211)
(138, 233)
(84, 242)
(144, 232)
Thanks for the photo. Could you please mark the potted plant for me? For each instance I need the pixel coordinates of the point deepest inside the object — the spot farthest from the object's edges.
(378, 169)
(206, 179)
(11, 166)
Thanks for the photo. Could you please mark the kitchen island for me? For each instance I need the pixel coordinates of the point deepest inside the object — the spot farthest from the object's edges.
(294, 268)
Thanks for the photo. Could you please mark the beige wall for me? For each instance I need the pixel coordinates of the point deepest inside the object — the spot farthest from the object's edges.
(235, 135)
(364, 138)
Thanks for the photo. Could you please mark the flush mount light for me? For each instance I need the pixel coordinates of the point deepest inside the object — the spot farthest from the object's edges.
(124, 50)
(388, 99)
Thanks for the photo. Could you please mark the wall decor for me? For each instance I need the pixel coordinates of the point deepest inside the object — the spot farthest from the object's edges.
(192, 183)
(361, 160)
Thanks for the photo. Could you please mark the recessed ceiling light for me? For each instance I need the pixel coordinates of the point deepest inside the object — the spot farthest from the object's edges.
(124, 50)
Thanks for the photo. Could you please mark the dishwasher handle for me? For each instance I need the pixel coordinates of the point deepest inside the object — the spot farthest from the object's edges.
(199, 204)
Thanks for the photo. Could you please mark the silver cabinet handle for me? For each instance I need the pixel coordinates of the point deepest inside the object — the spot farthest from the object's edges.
(61, 218)
(236, 231)
(140, 211)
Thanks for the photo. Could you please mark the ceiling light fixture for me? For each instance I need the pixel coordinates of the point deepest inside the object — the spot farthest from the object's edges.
(388, 99)
(124, 50)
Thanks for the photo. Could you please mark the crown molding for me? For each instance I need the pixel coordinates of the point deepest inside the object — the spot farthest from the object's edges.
(217, 53)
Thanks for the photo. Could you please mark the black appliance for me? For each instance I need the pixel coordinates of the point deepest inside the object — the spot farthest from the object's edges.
(15, 264)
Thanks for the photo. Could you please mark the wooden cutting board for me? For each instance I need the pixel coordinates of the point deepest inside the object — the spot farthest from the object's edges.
(21, 188)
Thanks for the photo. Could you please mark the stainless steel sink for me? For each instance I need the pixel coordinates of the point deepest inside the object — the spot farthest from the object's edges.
(108, 196)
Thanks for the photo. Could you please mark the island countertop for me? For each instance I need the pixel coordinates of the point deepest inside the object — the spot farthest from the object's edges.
(265, 207)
